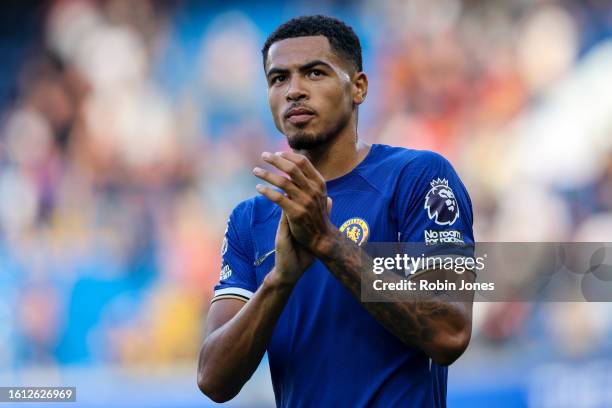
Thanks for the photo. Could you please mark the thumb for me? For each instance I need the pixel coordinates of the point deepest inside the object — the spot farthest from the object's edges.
(283, 220)
(329, 205)
(283, 227)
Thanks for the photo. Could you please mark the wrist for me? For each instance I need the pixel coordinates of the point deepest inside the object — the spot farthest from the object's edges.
(277, 281)
(324, 246)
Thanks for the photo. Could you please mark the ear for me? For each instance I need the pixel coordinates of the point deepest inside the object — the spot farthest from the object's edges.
(360, 87)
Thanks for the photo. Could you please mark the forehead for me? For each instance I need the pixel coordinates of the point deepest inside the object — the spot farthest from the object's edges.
(300, 50)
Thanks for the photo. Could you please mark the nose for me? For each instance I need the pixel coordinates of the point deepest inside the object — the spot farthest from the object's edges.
(295, 90)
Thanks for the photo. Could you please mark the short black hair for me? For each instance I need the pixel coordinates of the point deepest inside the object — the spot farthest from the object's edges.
(342, 39)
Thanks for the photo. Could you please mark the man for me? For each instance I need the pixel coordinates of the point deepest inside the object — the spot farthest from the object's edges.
(291, 274)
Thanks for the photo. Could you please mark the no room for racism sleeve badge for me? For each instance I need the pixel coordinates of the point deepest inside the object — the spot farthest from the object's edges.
(355, 229)
(440, 203)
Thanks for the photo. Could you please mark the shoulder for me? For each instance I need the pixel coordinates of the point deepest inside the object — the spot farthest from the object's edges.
(392, 165)
(253, 210)
(420, 171)
(400, 157)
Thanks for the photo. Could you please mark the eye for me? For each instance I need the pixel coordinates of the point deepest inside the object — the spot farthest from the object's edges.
(315, 73)
(277, 79)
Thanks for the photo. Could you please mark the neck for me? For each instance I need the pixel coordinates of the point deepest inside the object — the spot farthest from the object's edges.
(338, 156)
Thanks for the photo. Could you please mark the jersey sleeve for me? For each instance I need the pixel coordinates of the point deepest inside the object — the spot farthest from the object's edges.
(433, 206)
(237, 278)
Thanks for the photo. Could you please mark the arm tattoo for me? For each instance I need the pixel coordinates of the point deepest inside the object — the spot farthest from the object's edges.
(417, 322)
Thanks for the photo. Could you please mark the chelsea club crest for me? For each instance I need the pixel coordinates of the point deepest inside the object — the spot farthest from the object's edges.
(355, 229)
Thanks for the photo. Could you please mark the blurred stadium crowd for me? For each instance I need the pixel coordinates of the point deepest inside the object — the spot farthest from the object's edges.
(130, 128)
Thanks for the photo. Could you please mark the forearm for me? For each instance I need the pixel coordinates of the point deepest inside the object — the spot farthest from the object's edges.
(430, 322)
(232, 352)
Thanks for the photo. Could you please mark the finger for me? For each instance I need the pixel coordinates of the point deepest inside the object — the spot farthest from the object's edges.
(283, 224)
(306, 166)
(279, 181)
(330, 203)
(283, 219)
(277, 197)
(287, 166)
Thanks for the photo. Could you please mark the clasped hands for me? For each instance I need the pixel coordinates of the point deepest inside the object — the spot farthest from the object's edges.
(305, 230)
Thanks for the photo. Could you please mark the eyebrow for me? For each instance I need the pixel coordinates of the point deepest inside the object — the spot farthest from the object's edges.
(302, 68)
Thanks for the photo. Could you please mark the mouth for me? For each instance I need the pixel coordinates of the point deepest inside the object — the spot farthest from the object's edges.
(299, 116)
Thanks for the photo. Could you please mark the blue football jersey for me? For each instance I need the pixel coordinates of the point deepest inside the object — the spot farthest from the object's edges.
(326, 349)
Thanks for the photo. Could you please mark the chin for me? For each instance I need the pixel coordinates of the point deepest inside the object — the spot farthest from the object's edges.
(302, 140)
(305, 142)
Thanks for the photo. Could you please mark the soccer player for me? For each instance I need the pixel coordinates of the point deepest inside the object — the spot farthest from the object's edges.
(292, 265)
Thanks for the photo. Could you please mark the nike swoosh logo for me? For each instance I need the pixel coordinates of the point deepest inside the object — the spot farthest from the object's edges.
(262, 258)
